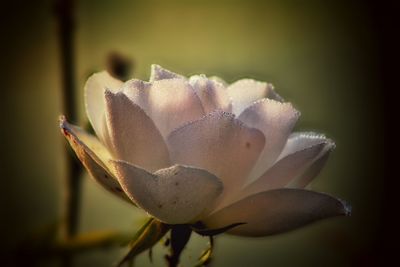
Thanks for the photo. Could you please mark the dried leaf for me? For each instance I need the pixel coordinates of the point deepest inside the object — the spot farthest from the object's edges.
(147, 236)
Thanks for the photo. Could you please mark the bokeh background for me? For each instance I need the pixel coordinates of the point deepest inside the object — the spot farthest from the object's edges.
(323, 56)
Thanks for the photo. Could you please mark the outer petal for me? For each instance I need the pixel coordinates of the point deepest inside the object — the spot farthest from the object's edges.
(272, 94)
(276, 120)
(277, 211)
(220, 144)
(169, 103)
(219, 80)
(246, 91)
(133, 135)
(173, 195)
(288, 168)
(94, 99)
(314, 169)
(159, 73)
(212, 94)
(93, 155)
(300, 140)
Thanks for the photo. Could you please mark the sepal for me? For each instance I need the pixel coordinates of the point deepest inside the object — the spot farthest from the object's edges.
(147, 236)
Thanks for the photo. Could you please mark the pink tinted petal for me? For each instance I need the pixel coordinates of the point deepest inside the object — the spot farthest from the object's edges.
(219, 80)
(304, 151)
(169, 103)
(246, 91)
(220, 144)
(174, 195)
(212, 94)
(133, 135)
(283, 171)
(313, 170)
(300, 140)
(94, 156)
(272, 94)
(276, 120)
(94, 99)
(159, 73)
(277, 211)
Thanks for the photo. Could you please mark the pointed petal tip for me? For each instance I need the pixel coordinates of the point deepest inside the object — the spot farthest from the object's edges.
(330, 144)
(343, 207)
(64, 125)
(347, 208)
(155, 66)
(62, 120)
(93, 156)
(272, 94)
(109, 93)
(282, 210)
(159, 73)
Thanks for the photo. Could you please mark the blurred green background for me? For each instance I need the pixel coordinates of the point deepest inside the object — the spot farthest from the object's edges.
(320, 55)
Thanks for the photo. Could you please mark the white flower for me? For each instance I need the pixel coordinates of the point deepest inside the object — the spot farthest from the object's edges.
(197, 149)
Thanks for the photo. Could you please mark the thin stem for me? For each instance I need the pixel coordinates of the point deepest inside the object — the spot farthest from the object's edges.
(64, 12)
(65, 16)
(34, 252)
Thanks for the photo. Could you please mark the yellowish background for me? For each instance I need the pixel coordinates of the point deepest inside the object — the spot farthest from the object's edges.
(320, 55)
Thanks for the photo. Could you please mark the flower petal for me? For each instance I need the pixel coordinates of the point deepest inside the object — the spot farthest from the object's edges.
(286, 169)
(169, 103)
(276, 120)
(174, 195)
(272, 94)
(300, 140)
(133, 136)
(159, 73)
(93, 155)
(246, 91)
(94, 99)
(212, 94)
(315, 167)
(277, 211)
(220, 144)
(219, 80)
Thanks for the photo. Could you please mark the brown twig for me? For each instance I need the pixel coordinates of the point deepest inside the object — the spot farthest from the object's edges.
(65, 16)
(38, 249)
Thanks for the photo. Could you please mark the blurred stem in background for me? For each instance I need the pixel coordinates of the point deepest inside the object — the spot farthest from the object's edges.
(66, 26)
(119, 66)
